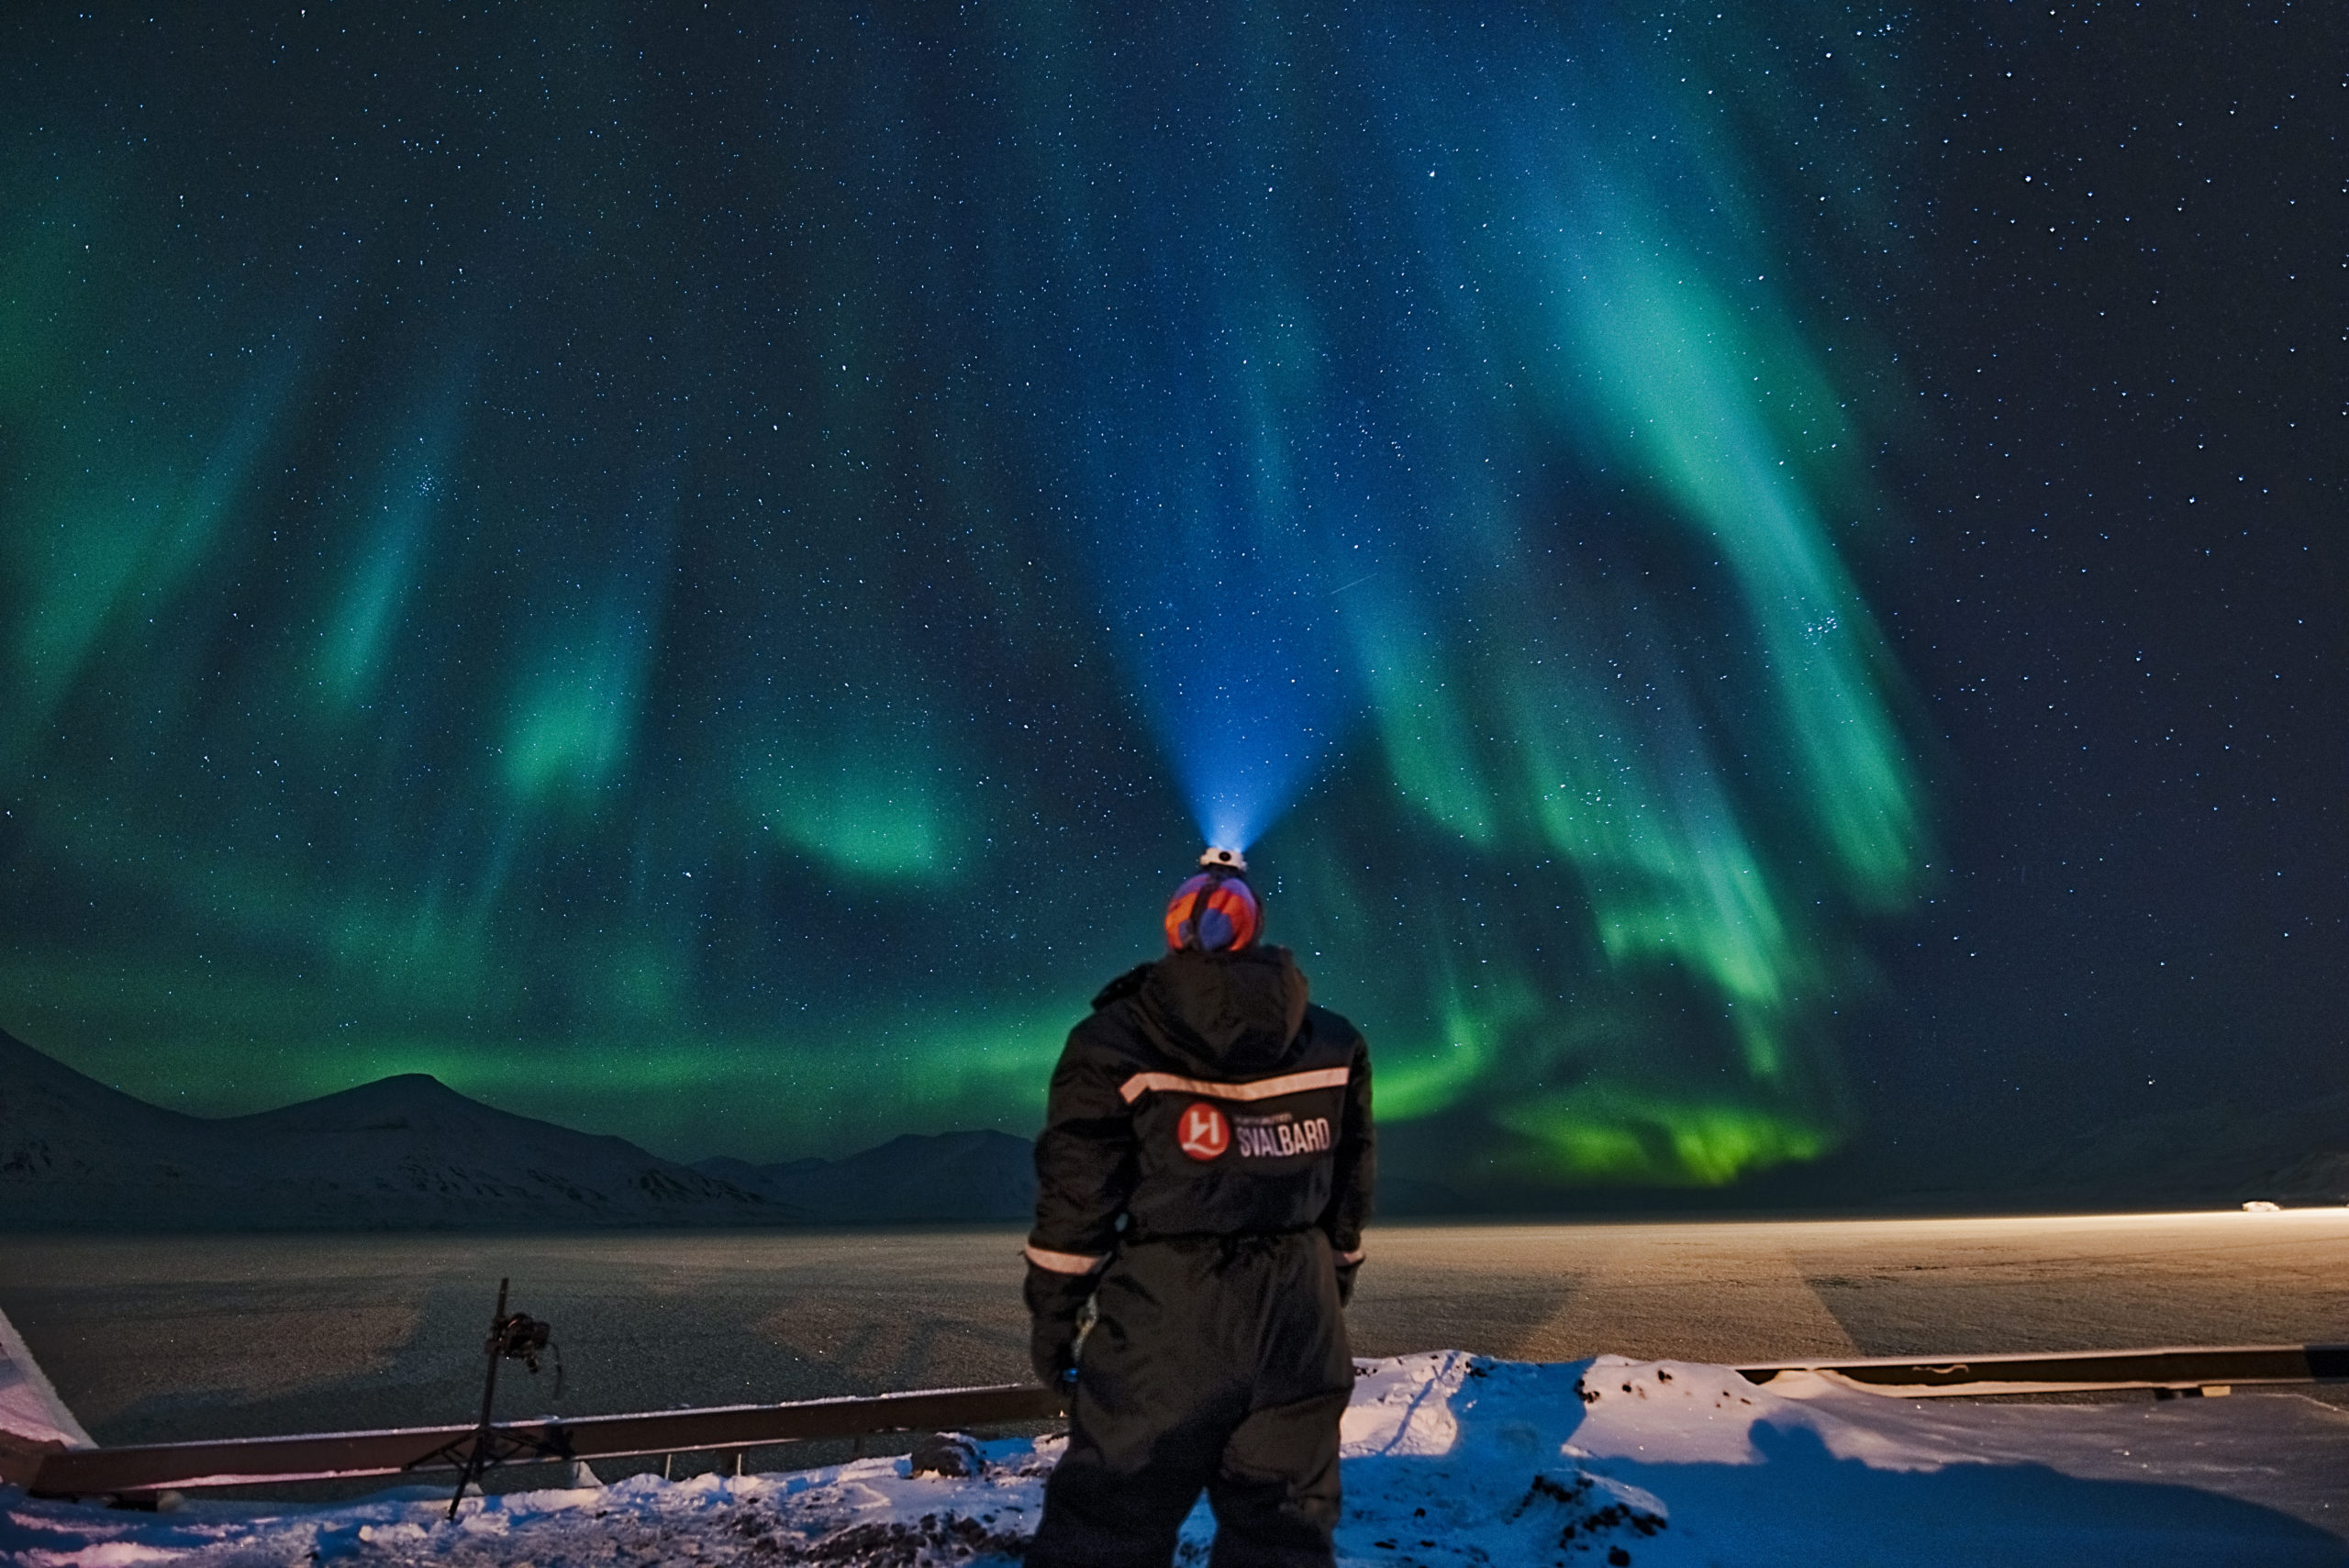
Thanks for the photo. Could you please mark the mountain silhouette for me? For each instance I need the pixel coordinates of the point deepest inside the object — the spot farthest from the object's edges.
(402, 1153)
(942, 1177)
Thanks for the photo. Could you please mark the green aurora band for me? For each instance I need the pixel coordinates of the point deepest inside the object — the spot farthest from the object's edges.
(680, 584)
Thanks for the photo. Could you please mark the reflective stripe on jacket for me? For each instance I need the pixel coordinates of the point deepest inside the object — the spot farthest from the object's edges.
(1205, 1095)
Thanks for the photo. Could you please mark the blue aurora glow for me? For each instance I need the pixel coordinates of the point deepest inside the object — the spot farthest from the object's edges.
(1309, 422)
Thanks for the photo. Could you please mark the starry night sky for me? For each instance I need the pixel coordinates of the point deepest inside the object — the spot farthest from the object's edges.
(1758, 583)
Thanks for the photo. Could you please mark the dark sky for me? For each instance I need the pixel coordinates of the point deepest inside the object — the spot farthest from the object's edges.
(1757, 585)
(2125, 601)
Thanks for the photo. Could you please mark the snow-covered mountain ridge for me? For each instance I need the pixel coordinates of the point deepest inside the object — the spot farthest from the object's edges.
(947, 1175)
(411, 1153)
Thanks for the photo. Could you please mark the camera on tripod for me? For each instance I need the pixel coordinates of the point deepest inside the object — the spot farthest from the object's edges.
(519, 1336)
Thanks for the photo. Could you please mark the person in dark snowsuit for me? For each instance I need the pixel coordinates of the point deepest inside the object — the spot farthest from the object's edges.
(1202, 1179)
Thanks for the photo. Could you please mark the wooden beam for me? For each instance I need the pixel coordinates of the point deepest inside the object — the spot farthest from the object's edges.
(2178, 1368)
(317, 1456)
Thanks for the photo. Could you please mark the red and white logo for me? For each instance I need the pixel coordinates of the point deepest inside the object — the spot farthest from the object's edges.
(1204, 1134)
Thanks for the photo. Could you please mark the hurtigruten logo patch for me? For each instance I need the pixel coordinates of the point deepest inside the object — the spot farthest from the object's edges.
(1203, 1134)
(1278, 1140)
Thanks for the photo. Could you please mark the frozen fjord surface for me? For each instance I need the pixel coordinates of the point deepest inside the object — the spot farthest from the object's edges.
(1450, 1459)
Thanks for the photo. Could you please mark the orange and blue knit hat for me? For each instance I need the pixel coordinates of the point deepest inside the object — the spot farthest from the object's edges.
(1212, 911)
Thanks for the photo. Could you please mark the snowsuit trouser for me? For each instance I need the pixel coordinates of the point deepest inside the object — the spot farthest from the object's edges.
(1216, 1362)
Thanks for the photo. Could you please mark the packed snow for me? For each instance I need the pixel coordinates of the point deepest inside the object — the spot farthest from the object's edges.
(1450, 1459)
(29, 1408)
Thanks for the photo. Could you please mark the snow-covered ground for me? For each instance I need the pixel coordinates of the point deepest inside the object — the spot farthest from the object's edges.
(1450, 1459)
(29, 1407)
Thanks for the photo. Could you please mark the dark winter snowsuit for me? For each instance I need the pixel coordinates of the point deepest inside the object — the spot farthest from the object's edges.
(1203, 1177)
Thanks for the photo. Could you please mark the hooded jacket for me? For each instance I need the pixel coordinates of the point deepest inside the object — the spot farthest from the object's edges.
(1205, 1095)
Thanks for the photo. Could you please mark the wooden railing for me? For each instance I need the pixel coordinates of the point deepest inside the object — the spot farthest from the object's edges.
(317, 1456)
(153, 1468)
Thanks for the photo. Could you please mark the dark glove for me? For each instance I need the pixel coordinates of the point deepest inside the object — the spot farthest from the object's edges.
(1054, 1302)
(1346, 1273)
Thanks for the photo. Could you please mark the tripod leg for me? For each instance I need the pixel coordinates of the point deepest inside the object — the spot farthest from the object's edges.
(478, 1457)
(464, 1478)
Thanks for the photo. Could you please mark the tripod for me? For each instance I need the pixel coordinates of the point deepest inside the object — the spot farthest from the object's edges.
(518, 1337)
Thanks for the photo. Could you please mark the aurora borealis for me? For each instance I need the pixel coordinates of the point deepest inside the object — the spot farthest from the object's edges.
(701, 573)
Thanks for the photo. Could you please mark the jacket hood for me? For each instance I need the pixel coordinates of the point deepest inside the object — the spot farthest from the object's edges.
(1224, 1012)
